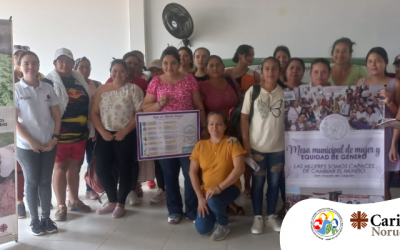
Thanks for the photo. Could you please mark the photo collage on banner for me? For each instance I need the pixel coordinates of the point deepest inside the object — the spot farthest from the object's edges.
(8, 217)
(335, 149)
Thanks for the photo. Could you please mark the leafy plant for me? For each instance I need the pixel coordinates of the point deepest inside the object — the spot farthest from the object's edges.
(6, 80)
(328, 228)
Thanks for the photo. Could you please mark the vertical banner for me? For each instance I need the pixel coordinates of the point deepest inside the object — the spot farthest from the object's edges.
(335, 149)
(8, 217)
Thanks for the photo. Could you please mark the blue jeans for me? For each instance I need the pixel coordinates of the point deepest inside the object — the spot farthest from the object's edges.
(38, 172)
(274, 179)
(171, 168)
(217, 207)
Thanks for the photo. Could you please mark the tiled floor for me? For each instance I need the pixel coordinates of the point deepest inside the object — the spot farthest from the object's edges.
(144, 227)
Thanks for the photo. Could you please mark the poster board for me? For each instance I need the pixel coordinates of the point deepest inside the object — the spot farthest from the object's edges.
(335, 151)
(167, 134)
(8, 210)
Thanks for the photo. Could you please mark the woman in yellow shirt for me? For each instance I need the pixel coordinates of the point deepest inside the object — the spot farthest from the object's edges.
(221, 159)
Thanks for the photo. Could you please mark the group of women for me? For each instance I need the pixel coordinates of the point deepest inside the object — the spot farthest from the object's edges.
(79, 114)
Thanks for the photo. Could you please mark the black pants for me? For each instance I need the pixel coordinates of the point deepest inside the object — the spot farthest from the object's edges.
(108, 152)
(159, 175)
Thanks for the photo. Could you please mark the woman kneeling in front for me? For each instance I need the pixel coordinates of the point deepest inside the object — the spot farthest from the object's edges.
(221, 159)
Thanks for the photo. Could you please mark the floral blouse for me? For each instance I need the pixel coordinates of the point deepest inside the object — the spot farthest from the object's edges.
(118, 107)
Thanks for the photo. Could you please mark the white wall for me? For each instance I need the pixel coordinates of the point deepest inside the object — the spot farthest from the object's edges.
(307, 27)
(96, 29)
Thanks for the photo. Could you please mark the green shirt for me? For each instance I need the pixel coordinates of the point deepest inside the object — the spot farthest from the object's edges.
(356, 73)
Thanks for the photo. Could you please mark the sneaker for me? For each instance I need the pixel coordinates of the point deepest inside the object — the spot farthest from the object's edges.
(106, 209)
(220, 233)
(174, 219)
(92, 195)
(79, 206)
(159, 196)
(258, 225)
(37, 228)
(118, 212)
(49, 226)
(21, 211)
(61, 213)
(151, 184)
(133, 199)
(273, 222)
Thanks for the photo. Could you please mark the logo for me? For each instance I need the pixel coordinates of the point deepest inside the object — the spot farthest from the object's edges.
(334, 127)
(25, 98)
(3, 228)
(359, 220)
(326, 224)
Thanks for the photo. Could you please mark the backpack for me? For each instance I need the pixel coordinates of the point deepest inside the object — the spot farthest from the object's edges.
(91, 177)
(237, 112)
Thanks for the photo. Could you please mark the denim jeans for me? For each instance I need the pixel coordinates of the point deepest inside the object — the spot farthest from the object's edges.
(38, 172)
(217, 207)
(274, 178)
(171, 168)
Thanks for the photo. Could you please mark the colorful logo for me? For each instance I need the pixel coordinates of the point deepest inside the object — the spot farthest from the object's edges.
(326, 224)
(359, 220)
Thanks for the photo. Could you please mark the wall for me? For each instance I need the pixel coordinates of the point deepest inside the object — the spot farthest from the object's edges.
(98, 30)
(307, 27)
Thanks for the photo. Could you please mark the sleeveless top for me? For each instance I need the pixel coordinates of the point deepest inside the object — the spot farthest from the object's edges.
(389, 166)
(246, 80)
(118, 107)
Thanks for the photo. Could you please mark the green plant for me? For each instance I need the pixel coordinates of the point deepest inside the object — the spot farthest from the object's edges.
(6, 80)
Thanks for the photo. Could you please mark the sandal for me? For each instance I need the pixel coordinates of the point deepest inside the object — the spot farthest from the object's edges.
(247, 193)
(236, 211)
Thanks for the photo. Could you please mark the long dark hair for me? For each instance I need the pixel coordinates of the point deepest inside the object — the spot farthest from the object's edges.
(283, 49)
(344, 40)
(189, 51)
(380, 51)
(242, 49)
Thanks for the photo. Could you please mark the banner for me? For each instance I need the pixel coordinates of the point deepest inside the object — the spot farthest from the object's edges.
(167, 134)
(8, 217)
(334, 148)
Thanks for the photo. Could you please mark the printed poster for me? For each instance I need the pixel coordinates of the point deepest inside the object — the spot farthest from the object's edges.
(334, 148)
(8, 217)
(167, 134)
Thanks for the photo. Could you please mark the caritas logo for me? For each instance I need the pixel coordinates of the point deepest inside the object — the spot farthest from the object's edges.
(380, 226)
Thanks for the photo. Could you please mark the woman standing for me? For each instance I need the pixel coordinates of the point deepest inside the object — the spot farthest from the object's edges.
(282, 53)
(141, 66)
(201, 56)
(83, 66)
(320, 72)
(263, 140)
(186, 56)
(38, 129)
(377, 61)
(295, 72)
(221, 159)
(244, 58)
(175, 91)
(343, 73)
(74, 95)
(113, 111)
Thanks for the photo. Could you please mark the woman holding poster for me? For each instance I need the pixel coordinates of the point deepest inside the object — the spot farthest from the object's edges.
(377, 61)
(263, 140)
(38, 128)
(175, 91)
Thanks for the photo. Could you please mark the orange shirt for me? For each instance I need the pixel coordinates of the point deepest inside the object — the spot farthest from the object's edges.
(216, 160)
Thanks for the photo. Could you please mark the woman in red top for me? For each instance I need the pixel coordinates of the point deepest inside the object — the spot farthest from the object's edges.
(133, 62)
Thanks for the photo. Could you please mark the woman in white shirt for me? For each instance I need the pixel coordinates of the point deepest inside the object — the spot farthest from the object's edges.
(263, 139)
(113, 111)
(294, 112)
(38, 128)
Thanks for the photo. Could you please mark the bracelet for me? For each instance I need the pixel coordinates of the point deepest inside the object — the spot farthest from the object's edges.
(159, 104)
(56, 136)
(219, 188)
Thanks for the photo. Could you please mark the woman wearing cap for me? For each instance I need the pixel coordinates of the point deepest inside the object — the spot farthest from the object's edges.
(74, 95)
(175, 91)
(38, 126)
(83, 66)
(201, 56)
(343, 73)
(155, 68)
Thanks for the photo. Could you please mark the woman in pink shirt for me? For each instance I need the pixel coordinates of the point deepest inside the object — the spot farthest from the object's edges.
(175, 91)
(219, 93)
